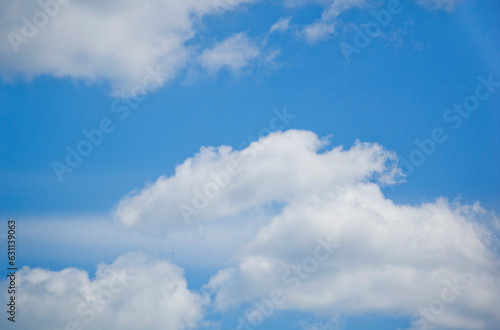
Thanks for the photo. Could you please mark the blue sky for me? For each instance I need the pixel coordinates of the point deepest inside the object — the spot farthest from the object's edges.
(227, 73)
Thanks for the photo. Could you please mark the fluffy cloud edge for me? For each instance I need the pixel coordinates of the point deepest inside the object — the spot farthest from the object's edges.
(356, 252)
(222, 182)
(135, 291)
(118, 42)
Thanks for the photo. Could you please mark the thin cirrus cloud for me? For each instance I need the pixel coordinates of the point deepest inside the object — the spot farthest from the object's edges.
(282, 25)
(325, 27)
(114, 41)
(233, 53)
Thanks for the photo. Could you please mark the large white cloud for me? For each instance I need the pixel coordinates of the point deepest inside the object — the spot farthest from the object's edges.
(331, 243)
(384, 258)
(222, 182)
(299, 224)
(134, 292)
(115, 41)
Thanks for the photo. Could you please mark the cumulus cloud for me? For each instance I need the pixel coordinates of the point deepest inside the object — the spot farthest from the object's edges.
(376, 257)
(114, 41)
(134, 292)
(331, 243)
(221, 182)
(233, 53)
(318, 236)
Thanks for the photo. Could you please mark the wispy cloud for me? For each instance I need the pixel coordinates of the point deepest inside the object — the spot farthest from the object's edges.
(234, 53)
(325, 27)
(283, 24)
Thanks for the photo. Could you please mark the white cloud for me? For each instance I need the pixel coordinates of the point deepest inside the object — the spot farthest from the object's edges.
(234, 53)
(325, 27)
(203, 246)
(283, 24)
(114, 41)
(318, 31)
(291, 203)
(280, 167)
(385, 258)
(134, 292)
(337, 7)
(119, 42)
